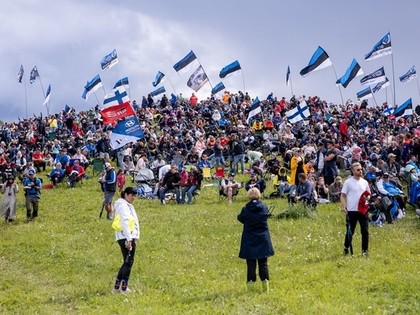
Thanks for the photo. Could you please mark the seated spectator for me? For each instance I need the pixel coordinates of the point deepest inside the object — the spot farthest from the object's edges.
(321, 190)
(253, 156)
(127, 165)
(38, 159)
(141, 162)
(83, 161)
(230, 187)
(387, 188)
(57, 174)
(20, 163)
(335, 189)
(76, 173)
(304, 191)
(256, 182)
(204, 162)
(170, 182)
(281, 182)
(192, 184)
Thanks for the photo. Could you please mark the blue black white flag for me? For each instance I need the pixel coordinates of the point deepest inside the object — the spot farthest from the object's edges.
(158, 91)
(288, 76)
(411, 74)
(33, 75)
(230, 68)
(219, 87)
(47, 95)
(319, 60)
(197, 79)
(405, 109)
(190, 57)
(300, 112)
(91, 86)
(109, 60)
(254, 110)
(373, 78)
(118, 96)
(352, 71)
(67, 108)
(121, 82)
(158, 78)
(20, 74)
(364, 94)
(382, 48)
(126, 131)
(381, 85)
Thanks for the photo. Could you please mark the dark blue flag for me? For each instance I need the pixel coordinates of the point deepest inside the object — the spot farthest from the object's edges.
(123, 81)
(158, 78)
(158, 91)
(319, 60)
(185, 61)
(219, 86)
(234, 66)
(353, 71)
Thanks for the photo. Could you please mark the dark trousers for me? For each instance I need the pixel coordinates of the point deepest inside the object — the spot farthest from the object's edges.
(128, 260)
(353, 218)
(252, 268)
(32, 205)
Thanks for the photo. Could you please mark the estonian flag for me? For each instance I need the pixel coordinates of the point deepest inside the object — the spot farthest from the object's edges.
(353, 71)
(411, 74)
(219, 86)
(288, 76)
(319, 60)
(254, 110)
(300, 112)
(373, 78)
(20, 74)
(158, 91)
(364, 94)
(121, 82)
(158, 78)
(185, 61)
(381, 85)
(47, 95)
(382, 48)
(91, 86)
(109, 60)
(405, 109)
(234, 66)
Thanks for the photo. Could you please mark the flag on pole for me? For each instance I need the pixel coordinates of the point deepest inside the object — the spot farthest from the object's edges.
(197, 79)
(381, 85)
(288, 76)
(125, 131)
(382, 48)
(405, 109)
(373, 78)
(113, 113)
(91, 86)
(33, 75)
(121, 82)
(67, 108)
(388, 111)
(219, 86)
(158, 78)
(319, 60)
(47, 95)
(118, 96)
(158, 91)
(300, 112)
(352, 71)
(230, 68)
(411, 74)
(109, 60)
(364, 94)
(254, 110)
(190, 57)
(20, 74)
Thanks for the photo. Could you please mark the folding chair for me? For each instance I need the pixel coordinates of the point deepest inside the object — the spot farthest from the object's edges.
(206, 173)
(97, 166)
(220, 173)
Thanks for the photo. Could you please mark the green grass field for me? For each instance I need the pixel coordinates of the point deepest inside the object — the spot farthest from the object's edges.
(187, 261)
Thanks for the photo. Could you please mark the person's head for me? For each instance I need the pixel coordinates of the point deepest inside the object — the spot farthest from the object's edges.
(254, 193)
(254, 177)
(321, 180)
(108, 166)
(31, 173)
(385, 177)
(129, 194)
(174, 168)
(231, 176)
(338, 180)
(282, 171)
(357, 169)
(302, 177)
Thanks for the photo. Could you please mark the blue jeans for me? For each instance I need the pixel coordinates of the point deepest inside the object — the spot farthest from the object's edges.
(164, 190)
(188, 190)
(284, 188)
(219, 160)
(236, 159)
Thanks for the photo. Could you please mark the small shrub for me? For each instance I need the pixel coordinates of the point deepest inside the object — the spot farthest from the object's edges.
(297, 211)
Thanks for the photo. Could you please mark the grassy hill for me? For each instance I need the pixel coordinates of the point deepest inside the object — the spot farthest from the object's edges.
(187, 261)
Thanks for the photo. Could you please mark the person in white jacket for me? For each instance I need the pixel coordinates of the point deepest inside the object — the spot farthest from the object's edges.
(127, 232)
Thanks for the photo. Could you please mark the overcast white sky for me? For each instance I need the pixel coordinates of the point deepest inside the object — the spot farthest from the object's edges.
(66, 40)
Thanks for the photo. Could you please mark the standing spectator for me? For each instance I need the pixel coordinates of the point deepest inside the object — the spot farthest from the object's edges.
(256, 243)
(238, 155)
(9, 191)
(351, 193)
(103, 147)
(109, 184)
(330, 163)
(193, 100)
(127, 232)
(32, 186)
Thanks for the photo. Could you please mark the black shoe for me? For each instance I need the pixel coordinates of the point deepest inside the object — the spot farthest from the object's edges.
(346, 251)
(11, 220)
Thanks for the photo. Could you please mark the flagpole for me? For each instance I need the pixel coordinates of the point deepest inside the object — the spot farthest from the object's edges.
(291, 85)
(339, 86)
(97, 99)
(418, 86)
(393, 77)
(170, 82)
(243, 80)
(26, 99)
(204, 72)
(374, 99)
(43, 91)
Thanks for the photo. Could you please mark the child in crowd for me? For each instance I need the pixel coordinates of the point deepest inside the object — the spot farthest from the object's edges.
(120, 180)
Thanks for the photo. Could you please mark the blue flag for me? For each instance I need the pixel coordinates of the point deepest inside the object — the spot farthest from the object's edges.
(234, 66)
(353, 71)
(254, 110)
(288, 76)
(374, 78)
(190, 57)
(381, 85)
(158, 91)
(118, 96)
(319, 60)
(126, 131)
(382, 48)
(109, 60)
(20, 74)
(405, 109)
(91, 86)
(47, 95)
(33, 75)
(411, 74)
(123, 81)
(158, 78)
(219, 86)
(300, 112)
(365, 93)
(67, 108)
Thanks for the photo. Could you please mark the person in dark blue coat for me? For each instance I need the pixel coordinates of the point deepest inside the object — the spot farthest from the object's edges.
(256, 241)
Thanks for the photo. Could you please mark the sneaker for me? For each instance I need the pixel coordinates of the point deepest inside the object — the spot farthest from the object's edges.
(109, 217)
(162, 202)
(365, 253)
(418, 212)
(113, 291)
(346, 251)
(126, 291)
(230, 201)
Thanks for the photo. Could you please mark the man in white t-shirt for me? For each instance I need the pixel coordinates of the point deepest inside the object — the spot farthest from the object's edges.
(354, 191)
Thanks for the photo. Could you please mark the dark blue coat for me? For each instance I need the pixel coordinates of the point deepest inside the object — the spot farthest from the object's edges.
(256, 241)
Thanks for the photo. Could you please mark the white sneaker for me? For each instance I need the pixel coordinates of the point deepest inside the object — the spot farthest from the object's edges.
(418, 212)
(128, 290)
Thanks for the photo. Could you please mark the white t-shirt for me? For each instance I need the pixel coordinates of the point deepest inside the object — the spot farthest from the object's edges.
(354, 188)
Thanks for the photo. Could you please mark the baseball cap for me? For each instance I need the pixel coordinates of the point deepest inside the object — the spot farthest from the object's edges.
(31, 172)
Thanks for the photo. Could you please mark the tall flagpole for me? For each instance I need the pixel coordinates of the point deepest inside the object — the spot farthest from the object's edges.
(291, 85)
(26, 99)
(418, 86)
(393, 78)
(96, 96)
(170, 82)
(243, 80)
(43, 92)
(339, 86)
